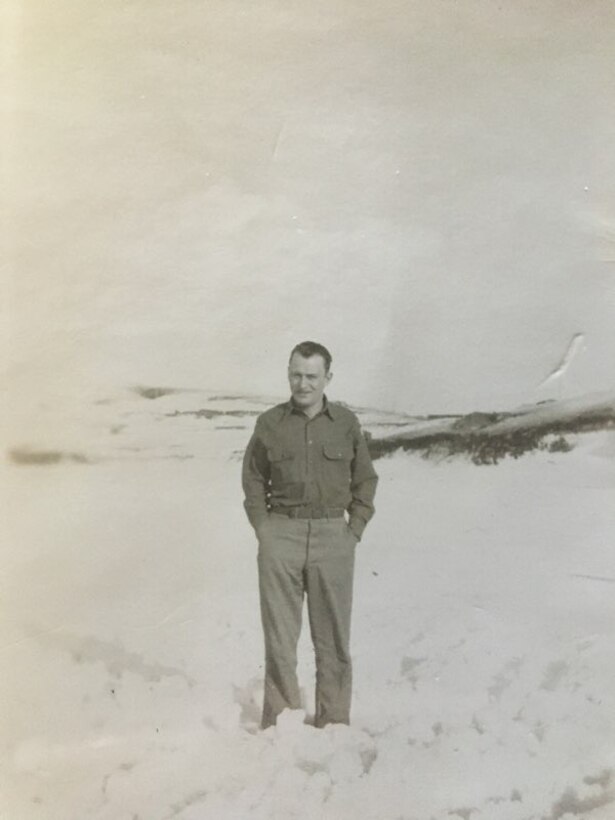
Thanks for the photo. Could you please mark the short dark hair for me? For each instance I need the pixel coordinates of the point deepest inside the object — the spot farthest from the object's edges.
(307, 349)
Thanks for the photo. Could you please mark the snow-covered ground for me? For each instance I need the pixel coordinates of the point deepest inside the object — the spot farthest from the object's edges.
(483, 634)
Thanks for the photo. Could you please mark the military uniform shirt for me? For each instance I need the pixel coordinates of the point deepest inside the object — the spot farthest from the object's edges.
(320, 465)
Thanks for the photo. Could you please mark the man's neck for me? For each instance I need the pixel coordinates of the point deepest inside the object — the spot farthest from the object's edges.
(311, 412)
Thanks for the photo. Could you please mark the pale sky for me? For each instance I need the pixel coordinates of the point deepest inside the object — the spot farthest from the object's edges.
(428, 188)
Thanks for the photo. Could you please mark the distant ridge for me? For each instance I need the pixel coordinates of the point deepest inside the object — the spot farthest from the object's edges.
(150, 422)
(486, 438)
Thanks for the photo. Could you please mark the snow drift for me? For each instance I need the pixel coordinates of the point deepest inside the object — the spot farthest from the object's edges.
(482, 630)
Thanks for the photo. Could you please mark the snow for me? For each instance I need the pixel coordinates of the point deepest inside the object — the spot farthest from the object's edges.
(133, 658)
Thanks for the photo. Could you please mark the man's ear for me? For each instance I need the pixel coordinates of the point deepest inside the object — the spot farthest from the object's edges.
(329, 376)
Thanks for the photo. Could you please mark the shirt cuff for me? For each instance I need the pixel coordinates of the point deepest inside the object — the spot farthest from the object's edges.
(357, 525)
(257, 519)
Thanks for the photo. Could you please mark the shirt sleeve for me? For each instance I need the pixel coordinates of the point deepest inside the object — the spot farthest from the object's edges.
(362, 486)
(255, 479)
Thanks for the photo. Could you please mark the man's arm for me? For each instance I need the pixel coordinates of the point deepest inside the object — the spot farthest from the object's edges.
(255, 479)
(362, 485)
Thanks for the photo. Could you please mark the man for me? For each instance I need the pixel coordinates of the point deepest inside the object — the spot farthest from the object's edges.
(306, 467)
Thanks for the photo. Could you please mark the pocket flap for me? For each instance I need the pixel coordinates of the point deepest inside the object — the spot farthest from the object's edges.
(278, 454)
(337, 452)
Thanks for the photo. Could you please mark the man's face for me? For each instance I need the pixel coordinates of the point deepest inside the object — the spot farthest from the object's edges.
(307, 379)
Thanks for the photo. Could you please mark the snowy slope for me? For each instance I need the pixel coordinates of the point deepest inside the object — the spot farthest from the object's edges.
(164, 422)
(482, 634)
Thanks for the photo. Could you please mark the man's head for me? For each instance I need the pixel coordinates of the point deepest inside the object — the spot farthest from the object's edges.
(309, 372)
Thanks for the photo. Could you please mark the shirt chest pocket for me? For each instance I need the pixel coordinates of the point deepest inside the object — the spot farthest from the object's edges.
(336, 461)
(282, 465)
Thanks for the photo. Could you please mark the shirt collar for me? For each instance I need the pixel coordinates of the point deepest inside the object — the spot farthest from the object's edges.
(328, 408)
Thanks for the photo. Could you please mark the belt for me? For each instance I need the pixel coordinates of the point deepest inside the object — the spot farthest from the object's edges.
(309, 512)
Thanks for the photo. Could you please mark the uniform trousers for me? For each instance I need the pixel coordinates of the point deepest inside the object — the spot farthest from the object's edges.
(313, 558)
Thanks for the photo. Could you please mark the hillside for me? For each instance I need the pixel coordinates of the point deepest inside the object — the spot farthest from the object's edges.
(149, 422)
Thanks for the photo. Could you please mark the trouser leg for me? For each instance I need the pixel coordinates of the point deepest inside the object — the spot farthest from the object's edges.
(281, 560)
(329, 579)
